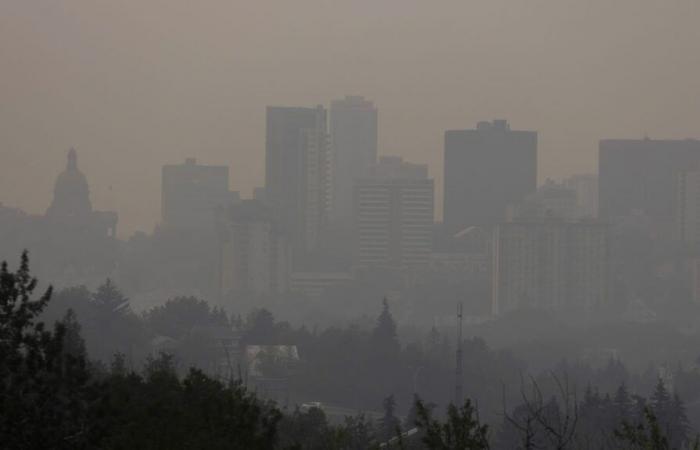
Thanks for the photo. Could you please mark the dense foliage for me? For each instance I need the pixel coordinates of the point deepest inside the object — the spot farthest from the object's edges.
(53, 396)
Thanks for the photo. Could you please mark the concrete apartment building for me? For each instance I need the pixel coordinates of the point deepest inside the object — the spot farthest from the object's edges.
(394, 211)
(550, 264)
(255, 255)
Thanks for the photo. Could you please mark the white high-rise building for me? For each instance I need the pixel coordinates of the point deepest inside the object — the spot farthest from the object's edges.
(550, 264)
(394, 211)
(316, 188)
(255, 256)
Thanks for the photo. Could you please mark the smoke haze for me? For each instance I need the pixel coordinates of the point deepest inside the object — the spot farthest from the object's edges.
(134, 85)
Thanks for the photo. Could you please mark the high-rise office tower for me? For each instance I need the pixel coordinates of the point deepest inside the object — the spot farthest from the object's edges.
(353, 131)
(394, 210)
(486, 170)
(550, 264)
(191, 193)
(641, 177)
(298, 170)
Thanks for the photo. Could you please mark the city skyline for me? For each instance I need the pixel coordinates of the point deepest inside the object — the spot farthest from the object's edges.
(541, 179)
(350, 225)
(193, 81)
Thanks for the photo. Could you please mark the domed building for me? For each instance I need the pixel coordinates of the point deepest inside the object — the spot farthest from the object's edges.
(79, 244)
(71, 204)
(72, 244)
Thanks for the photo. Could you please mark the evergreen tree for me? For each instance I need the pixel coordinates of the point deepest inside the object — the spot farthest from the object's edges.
(384, 334)
(180, 315)
(461, 431)
(412, 416)
(73, 342)
(623, 405)
(645, 435)
(360, 433)
(260, 328)
(660, 402)
(389, 425)
(110, 300)
(678, 425)
(43, 389)
(111, 326)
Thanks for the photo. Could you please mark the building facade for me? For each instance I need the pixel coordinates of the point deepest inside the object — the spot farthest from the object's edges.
(550, 264)
(552, 200)
(394, 211)
(298, 171)
(353, 132)
(640, 177)
(687, 213)
(255, 255)
(71, 244)
(314, 284)
(191, 193)
(486, 170)
(586, 188)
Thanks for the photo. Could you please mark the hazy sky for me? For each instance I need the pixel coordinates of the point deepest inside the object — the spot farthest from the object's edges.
(136, 84)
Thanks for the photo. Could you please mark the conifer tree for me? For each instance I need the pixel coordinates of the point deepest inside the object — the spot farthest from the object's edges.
(42, 387)
(384, 333)
(389, 425)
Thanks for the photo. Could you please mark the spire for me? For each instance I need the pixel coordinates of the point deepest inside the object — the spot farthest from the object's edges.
(72, 159)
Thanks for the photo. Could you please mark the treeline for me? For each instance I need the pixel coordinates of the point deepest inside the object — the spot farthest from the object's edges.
(53, 396)
(353, 366)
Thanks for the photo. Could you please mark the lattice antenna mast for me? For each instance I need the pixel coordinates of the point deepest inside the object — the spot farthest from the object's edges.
(458, 371)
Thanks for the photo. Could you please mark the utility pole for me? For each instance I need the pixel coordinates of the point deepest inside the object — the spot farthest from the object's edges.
(458, 371)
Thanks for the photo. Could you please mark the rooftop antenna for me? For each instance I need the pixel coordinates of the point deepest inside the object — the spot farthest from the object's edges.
(458, 371)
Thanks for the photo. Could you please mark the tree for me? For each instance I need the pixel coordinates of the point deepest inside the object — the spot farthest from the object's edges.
(545, 423)
(73, 342)
(359, 433)
(158, 410)
(669, 414)
(178, 316)
(623, 405)
(389, 425)
(678, 425)
(110, 299)
(110, 325)
(384, 334)
(260, 328)
(647, 435)
(43, 389)
(462, 429)
(307, 430)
